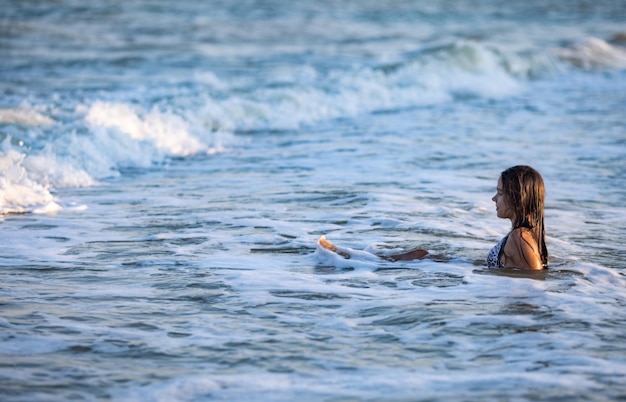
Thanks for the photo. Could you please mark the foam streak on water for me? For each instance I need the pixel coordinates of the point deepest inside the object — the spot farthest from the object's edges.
(166, 171)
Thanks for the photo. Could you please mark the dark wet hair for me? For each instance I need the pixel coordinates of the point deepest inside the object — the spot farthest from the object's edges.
(524, 192)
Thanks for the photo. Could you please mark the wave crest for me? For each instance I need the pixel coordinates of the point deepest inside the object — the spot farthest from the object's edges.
(593, 54)
(168, 131)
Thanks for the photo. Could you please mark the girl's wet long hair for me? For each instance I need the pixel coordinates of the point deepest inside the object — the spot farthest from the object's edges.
(524, 191)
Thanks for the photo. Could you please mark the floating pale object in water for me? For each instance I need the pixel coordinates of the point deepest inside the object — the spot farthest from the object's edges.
(24, 117)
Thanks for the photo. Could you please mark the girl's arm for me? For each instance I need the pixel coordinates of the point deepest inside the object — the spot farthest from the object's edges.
(415, 254)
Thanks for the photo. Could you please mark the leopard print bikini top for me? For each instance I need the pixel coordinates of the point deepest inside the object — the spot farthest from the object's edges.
(494, 258)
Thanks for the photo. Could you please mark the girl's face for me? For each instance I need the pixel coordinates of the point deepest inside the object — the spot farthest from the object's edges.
(502, 207)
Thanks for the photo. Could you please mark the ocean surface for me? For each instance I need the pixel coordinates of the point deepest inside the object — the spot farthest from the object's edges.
(166, 168)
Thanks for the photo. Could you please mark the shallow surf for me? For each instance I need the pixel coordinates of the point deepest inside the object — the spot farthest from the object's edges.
(167, 169)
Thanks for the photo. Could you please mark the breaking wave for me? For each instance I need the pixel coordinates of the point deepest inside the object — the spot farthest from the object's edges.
(44, 150)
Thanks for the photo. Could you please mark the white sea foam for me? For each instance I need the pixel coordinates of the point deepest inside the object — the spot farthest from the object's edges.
(462, 68)
(168, 131)
(358, 258)
(18, 192)
(27, 181)
(45, 169)
(118, 137)
(380, 128)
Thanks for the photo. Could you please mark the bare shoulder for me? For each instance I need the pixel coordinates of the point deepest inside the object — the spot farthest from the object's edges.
(522, 235)
(521, 250)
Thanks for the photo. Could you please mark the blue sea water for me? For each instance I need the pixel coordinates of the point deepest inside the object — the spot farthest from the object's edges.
(166, 169)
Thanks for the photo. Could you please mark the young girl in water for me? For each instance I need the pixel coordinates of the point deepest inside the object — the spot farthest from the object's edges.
(519, 198)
